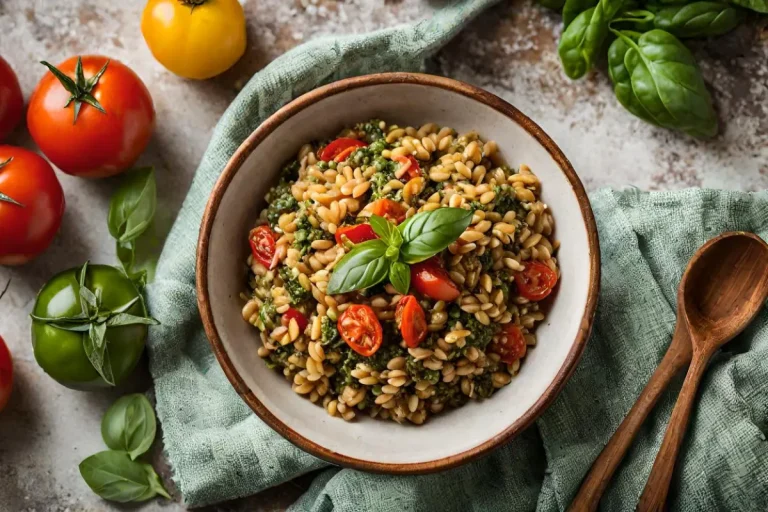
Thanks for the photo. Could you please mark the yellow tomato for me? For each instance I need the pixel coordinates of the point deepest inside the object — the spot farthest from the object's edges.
(195, 38)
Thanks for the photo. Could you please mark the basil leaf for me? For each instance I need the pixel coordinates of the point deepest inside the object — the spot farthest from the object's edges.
(115, 477)
(573, 8)
(427, 233)
(698, 19)
(400, 276)
(126, 319)
(755, 5)
(132, 207)
(129, 425)
(126, 253)
(582, 40)
(362, 267)
(387, 231)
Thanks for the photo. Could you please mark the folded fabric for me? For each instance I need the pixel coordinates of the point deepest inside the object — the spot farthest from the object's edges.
(219, 450)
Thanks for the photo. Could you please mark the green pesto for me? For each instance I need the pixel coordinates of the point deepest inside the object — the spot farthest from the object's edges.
(280, 201)
(371, 130)
(418, 372)
(329, 332)
(481, 334)
(505, 200)
(291, 284)
(267, 315)
(305, 233)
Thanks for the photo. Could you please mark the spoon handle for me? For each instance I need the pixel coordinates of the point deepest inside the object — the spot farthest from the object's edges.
(657, 487)
(594, 484)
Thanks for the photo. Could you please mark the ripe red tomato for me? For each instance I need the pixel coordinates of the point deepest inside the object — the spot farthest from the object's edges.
(11, 100)
(263, 247)
(510, 344)
(6, 374)
(536, 281)
(428, 278)
(90, 143)
(356, 234)
(340, 149)
(413, 171)
(389, 209)
(31, 205)
(292, 314)
(411, 320)
(360, 329)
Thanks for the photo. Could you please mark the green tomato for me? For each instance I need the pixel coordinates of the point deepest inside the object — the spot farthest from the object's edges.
(61, 353)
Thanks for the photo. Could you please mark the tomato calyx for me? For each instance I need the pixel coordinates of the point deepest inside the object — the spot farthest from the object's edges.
(80, 88)
(3, 197)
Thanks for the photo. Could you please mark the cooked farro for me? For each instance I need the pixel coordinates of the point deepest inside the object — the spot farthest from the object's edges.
(464, 353)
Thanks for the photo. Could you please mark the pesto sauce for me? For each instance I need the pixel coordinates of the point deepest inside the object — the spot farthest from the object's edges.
(292, 285)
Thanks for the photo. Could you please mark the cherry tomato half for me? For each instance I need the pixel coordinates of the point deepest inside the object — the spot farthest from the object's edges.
(263, 247)
(356, 234)
(94, 144)
(31, 205)
(338, 149)
(509, 344)
(360, 329)
(428, 278)
(292, 314)
(6, 374)
(389, 209)
(413, 170)
(11, 99)
(536, 281)
(411, 320)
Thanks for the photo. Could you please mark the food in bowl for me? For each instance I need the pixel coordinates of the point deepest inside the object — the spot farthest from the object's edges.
(399, 271)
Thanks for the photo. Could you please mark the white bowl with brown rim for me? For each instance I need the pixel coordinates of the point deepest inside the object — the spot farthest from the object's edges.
(450, 438)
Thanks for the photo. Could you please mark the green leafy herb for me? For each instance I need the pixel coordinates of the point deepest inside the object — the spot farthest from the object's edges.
(400, 276)
(573, 8)
(364, 266)
(755, 5)
(4, 197)
(427, 233)
(698, 19)
(132, 207)
(129, 425)
(79, 89)
(387, 231)
(115, 477)
(583, 39)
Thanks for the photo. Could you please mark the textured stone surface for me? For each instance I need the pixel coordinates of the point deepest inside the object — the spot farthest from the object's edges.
(510, 50)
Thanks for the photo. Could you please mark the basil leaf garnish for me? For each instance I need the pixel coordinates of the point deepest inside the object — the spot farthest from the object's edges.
(400, 276)
(129, 425)
(132, 207)
(387, 231)
(115, 477)
(363, 267)
(427, 233)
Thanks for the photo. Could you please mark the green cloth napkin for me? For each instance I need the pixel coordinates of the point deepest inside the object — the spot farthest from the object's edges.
(219, 450)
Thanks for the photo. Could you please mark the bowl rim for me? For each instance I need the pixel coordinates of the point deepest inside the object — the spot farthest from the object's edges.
(341, 86)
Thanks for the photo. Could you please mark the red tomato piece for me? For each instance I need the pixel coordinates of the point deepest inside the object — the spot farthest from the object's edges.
(298, 316)
(411, 321)
(356, 234)
(413, 169)
(335, 149)
(389, 209)
(263, 246)
(95, 144)
(31, 205)
(536, 281)
(360, 329)
(509, 344)
(11, 100)
(6, 374)
(429, 278)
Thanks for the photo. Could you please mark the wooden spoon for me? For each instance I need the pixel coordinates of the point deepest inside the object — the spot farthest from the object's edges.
(725, 286)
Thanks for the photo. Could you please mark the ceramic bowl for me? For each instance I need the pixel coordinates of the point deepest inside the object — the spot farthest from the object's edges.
(450, 438)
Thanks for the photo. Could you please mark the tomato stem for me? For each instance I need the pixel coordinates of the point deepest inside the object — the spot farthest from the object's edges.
(3, 197)
(193, 3)
(80, 88)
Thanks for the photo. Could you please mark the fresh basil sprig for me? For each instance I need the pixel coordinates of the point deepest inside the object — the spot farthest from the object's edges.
(115, 477)
(93, 321)
(129, 425)
(418, 238)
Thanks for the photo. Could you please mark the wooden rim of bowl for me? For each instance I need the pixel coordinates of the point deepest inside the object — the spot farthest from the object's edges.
(292, 109)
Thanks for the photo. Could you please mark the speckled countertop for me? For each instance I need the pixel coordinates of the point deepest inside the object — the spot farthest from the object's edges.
(510, 50)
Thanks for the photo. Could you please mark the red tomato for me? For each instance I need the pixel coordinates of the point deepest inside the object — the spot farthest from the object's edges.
(263, 246)
(411, 320)
(509, 344)
(356, 234)
(96, 144)
(340, 149)
(413, 171)
(295, 314)
(536, 281)
(428, 278)
(6, 374)
(27, 230)
(360, 328)
(389, 209)
(11, 100)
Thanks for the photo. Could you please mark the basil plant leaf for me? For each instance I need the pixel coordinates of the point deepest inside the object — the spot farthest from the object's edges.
(582, 41)
(126, 253)
(400, 277)
(387, 231)
(115, 477)
(755, 5)
(364, 266)
(129, 425)
(132, 207)
(572, 8)
(427, 233)
(698, 19)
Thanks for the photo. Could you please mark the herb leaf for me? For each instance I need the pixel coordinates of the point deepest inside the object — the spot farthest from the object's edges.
(573, 8)
(755, 5)
(363, 267)
(387, 231)
(427, 233)
(115, 477)
(129, 425)
(132, 207)
(698, 19)
(400, 276)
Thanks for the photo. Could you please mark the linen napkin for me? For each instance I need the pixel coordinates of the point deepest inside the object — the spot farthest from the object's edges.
(219, 450)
